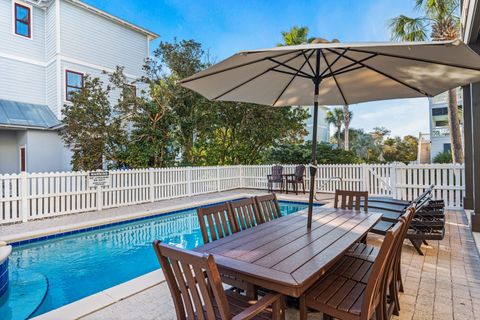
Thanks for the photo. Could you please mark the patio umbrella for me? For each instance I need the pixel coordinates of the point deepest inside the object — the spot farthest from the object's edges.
(337, 74)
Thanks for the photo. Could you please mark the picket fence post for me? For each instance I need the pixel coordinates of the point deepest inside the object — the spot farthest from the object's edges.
(189, 181)
(218, 178)
(393, 179)
(241, 177)
(365, 177)
(151, 184)
(99, 198)
(24, 196)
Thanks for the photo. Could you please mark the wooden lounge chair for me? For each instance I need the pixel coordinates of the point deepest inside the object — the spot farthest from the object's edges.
(197, 291)
(355, 289)
(394, 282)
(275, 178)
(296, 179)
(350, 198)
(268, 207)
(245, 213)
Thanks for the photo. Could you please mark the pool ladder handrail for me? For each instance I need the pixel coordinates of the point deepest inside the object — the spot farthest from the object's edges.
(325, 183)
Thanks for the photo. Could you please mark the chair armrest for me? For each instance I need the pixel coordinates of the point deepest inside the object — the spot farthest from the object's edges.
(259, 306)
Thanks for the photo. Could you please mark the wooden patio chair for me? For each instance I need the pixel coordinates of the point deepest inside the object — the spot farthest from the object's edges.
(197, 291)
(216, 222)
(355, 289)
(394, 282)
(268, 207)
(350, 198)
(245, 213)
(275, 177)
(296, 179)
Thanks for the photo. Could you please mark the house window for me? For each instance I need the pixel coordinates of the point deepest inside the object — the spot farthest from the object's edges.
(439, 112)
(23, 21)
(447, 147)
(441, 123)
(74, 83)
(130, 91)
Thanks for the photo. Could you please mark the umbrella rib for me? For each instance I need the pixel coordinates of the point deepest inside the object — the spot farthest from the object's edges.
(308, 61)
(291, 73)
(416, 59)
(334, 78)
(254, 77)
(291, 80)
(386, 75)
(342, 69)
(289, 67)
(342, 72)
(232, 68)
(334, 61)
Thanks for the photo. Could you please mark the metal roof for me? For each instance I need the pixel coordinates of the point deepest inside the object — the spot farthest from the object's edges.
(21, 114)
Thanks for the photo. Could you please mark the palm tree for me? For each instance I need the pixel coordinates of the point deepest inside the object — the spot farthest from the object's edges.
(440, 19)
(295, 36)
(347, 117)
(336, 118)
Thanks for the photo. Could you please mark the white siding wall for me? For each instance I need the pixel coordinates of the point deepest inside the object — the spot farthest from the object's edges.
(51, 88)
(45, 152)
(50, 33)
(9, 152)
(12, 44)
(20, 81)
(88, 37)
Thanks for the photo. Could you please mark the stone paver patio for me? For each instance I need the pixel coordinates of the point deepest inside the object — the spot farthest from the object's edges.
(443, 284)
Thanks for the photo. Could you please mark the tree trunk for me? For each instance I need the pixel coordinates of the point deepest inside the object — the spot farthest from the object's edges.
(346, 124)
(339, 137)
(455, 128)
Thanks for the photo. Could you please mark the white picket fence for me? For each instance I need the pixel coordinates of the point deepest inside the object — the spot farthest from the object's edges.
(28, 196)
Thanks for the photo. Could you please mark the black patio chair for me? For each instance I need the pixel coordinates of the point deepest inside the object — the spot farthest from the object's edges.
(296, 179)
(275, 177)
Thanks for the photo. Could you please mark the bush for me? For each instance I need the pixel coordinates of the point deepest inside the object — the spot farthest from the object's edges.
(444, 157)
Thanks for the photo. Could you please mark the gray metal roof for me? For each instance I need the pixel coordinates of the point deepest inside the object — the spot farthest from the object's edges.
(13, 113)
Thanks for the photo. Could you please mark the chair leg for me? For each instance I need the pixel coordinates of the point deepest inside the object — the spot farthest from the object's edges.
(303, 308)
(417, 244)
(296, 188)
(303, 184)
(278, 310)
(399, 280)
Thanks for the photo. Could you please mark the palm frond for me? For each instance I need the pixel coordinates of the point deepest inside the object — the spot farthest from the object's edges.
(404, 28)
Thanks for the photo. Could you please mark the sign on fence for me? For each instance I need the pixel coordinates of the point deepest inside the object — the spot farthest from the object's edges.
(98, 179)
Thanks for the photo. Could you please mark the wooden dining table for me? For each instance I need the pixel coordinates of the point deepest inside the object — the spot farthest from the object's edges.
(285, 256)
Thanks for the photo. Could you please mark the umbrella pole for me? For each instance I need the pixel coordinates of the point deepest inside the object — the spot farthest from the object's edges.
(313, 167)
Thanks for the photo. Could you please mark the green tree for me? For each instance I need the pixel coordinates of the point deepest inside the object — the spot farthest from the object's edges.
(172, 62)
(302, 154)
(91, 129)
(347, 118)
(336, 117)
(149, 117)
(364, 145)
(440, 20)
(401, 150)
(295, 36)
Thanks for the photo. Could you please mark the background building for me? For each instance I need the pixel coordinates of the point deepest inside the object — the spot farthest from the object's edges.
(47, 48)
(439, 130)
(323, 129)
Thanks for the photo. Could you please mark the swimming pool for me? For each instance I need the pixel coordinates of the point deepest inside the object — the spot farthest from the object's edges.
(48, 274)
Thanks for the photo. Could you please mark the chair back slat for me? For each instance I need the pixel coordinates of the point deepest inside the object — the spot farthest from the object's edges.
(194, 282)
(349, 199)
(377, 278)
(216, 222)
(277, 171)
(245, 213)
(299, 172)
(268, 207)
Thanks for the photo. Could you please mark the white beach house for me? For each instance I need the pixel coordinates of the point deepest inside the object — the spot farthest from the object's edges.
(46, 49)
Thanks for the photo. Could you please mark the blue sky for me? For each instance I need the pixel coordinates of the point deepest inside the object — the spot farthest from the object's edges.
(227, 26)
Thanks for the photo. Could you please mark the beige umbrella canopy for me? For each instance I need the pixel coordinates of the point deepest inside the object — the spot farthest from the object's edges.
(338, 74)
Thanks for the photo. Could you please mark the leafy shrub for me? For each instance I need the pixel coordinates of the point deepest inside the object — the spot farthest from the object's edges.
(444, 157)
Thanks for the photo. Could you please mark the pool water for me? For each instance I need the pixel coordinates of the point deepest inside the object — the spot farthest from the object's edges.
(48, 274)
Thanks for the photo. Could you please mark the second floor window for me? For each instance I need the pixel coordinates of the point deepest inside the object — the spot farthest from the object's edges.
(74, 83)
(23, 19)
